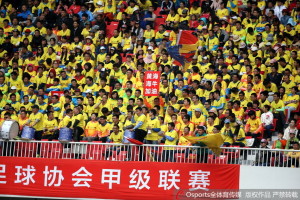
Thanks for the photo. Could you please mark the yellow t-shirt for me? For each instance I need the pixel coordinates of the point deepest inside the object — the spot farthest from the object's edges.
(142, 118)
(91, 129)
(174, 135)
(49, 125)
(116, 138)
(153, 123)
(80, 118)
(38, 116)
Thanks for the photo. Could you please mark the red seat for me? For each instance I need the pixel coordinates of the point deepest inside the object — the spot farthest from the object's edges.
(159, 21)
(121, 156)
(58, 93)
(192, 158)
(45, 149)
(273, 129)
(30, 149)
(95, 151)
(297, 110)
(18, 152)
(232, 154)
(222, 159)
(110, 29)
(180, 158)
(56, 150)
(156, 12)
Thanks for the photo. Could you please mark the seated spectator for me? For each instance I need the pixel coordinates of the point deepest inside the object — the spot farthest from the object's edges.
(267, 122)
(291, 129)
(253, 127)
(291, 141)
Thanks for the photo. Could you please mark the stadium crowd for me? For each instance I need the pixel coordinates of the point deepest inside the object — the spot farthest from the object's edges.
(242, 82)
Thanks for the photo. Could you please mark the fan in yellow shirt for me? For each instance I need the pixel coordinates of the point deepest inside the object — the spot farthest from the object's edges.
(50, 127)
(92, 128)
(222, 12)
(171, 137)
(36, 121)
(153, 128)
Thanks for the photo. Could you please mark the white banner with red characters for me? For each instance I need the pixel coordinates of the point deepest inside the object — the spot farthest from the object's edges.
(70, 178)
(151, 83)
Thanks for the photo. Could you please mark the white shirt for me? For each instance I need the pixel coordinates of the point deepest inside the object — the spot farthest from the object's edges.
(267, 118)
(287, 132)
(278, 11)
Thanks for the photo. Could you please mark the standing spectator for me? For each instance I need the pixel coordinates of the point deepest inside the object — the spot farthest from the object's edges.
(74, 8)
(84, 10)
(171, 138)
(24, 14)
(263, 156)
(279, 8)
(294, 157)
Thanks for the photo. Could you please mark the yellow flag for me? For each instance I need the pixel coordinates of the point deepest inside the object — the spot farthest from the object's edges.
(212, 141)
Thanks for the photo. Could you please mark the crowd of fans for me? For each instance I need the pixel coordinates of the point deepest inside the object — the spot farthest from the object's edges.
(242, 82)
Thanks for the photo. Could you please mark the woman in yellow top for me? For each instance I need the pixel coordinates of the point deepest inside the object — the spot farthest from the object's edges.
(91, 129)
(172, 18)
(64, 31)
(210, 125)
(160, 33)
(89, 44)
(88, 70)
(50, 54)
(86, 31)
(182, 8)
(250, 36)
(51, 76)
(16, 38)
(149, 33)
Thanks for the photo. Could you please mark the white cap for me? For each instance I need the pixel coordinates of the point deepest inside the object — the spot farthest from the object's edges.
(102, 47)
(150, 48)
(13, 87)
(167, 34)
(78, 47)
(273, 60)
(284, 45)
(205, 58)
(254, 48)
(99, 3)
(89, 37)
(135, 9)
(234, 17)
(242, 45)
(204, 27)
(88, 91)
(268, 44)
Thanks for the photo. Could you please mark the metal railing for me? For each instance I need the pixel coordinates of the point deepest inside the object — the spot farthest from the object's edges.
(150, 153)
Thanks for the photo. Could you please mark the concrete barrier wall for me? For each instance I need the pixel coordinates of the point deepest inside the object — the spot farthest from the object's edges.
(252, 177)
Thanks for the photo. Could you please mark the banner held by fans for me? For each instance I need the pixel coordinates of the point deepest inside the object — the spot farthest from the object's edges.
(151, 83)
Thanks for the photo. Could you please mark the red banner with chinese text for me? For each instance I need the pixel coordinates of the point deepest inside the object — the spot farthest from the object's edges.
(69, 178)
(151, 83)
